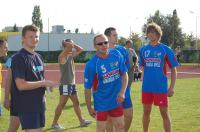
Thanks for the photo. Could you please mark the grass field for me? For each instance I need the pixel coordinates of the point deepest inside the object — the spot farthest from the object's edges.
(184, 110)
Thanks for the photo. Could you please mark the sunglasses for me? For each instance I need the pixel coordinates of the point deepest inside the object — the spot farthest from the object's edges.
(101, 43)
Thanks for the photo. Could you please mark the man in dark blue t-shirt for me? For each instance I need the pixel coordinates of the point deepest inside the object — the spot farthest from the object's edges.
(28, 83)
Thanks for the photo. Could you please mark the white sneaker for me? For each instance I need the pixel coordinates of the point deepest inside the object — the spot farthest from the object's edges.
(57, 127)
(85, 123)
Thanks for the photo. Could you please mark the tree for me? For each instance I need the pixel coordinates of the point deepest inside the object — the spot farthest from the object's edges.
(175, 37)
(136, 41)
(15, 28)
(121, 41)
(172, 33)
(36, 18)
(76, 30)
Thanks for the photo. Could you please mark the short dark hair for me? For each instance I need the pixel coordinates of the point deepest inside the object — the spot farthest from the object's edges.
(108, 31)
(67, 40)
(29, 28)
(128, 41)
(2, 41)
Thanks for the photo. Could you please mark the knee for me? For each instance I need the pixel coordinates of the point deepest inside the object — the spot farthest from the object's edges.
(165, 115)
(61, 105)
(147, 112)
(120, 125)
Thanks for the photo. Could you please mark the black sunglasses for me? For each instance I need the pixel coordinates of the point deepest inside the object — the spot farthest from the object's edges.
(101, 43)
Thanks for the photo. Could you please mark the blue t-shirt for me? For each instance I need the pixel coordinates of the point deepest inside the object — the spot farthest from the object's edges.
(124, 53)
(155, 59)
(104, 76)
(29, 67)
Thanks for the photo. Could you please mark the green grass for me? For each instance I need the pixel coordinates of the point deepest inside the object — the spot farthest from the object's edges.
(184, 110)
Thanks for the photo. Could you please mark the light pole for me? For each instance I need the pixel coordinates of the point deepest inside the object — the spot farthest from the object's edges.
(196, 27)
(48, 41)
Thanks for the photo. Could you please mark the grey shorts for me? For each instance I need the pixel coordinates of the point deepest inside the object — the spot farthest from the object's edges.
(69, 89)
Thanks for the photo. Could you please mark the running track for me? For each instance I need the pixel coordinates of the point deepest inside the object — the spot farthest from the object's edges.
(52, 72)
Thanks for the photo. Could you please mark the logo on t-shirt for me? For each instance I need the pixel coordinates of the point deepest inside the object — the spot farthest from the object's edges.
(37, 68)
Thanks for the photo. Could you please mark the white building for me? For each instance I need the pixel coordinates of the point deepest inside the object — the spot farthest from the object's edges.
(53, 41)
(10, 28)
(58, 29)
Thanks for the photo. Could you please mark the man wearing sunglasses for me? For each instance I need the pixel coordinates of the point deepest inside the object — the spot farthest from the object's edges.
(112, 36)
(106, 75)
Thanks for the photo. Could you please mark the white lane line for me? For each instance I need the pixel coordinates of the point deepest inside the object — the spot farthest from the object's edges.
(191, 73)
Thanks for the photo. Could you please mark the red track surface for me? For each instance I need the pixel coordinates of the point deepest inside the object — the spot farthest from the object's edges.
(52, 72)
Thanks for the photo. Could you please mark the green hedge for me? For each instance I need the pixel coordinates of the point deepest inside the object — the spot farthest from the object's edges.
(190, 56)
(52, 56)
(187, 56)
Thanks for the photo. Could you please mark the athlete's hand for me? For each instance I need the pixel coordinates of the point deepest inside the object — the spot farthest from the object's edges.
(120, 97)
(6, 104)
(92, 112)
(170, 92)
(48, 83)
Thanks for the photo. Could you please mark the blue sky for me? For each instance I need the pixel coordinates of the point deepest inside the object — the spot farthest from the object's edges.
(125, 15)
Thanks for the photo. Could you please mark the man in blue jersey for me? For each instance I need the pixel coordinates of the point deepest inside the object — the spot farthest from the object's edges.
(106, 75)
(154, 59)
(28, 82)
(112, 36)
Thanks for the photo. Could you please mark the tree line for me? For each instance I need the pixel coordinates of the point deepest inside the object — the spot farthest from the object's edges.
(170, 24)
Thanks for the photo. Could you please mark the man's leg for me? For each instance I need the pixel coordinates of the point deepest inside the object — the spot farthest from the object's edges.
(128, 117)
(34, 130)
(118, 123)
(146, 116)
(14, 124)
(101, 126)
(76, 105)
(166, 119)
(60, 106)
(109, 125)
(127, 109)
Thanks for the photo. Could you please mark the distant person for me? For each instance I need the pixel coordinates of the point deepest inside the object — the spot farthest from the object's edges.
(3, 53)
(154, 58)
(106, 75)
(28, 82)
(8, 100)
(133, 61)
(178, 53)
(137, 74)
(111, 34)
(68, 88)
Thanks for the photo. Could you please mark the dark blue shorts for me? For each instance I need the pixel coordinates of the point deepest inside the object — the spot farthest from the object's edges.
(32, 120)
(69, 89)
(13, 111)
(127, 103)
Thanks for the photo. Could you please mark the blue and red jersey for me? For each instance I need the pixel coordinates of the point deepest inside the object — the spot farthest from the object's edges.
(104, 76)
(155, 59)
(124, 53)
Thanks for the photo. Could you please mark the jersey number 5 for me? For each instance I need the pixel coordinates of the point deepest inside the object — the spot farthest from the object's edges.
(103, 69)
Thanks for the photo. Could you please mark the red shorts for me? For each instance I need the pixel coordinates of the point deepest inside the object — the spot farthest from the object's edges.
(102, 115)
(157, 99)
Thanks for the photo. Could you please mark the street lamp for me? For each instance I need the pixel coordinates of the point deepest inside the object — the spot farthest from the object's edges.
(196, 26)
